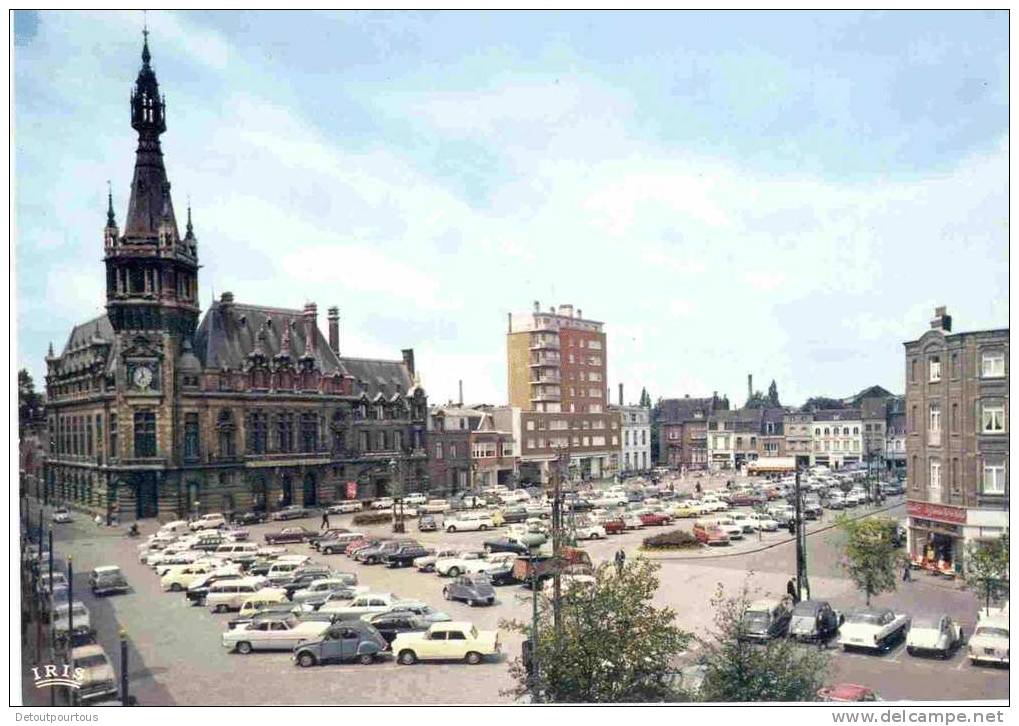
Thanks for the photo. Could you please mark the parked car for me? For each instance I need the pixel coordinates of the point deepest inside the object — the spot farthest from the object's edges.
(454, 566)
(685, 509)
(427, 563)
(339, 543)
(199, 588)
(847, 693)
(709, 533)
(747, 499)
(446, 641)
(391, 624)
(378, 553)
(542, 566)
(471, 589)
(467, 522)
(615, 525)
(415, 500)
(247, 518)
(419, 609)
(405, 554)
(766, 620)
(348, 507)
(989, 642)
(938, 635)
(500, 568)
(231, 594)
(282, 632)
(289, 534)
(315, 585)
(427, 523)
(342, 641)
(365, 604)
(814, 621)
(435, 506)
(214, 520)
(61, 515)
(331, 533)
(71, 615)
(872, 629)
(512, 515)
(107, 580)
(506, 544)
(591, 531)
(98, 679)
(654, 519)
(339, 597)
(290, 512)
(265, 598)
(180, 578)
(762, 522)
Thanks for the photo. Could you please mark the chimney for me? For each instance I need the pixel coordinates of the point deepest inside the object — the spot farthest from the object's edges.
(537, 306)
(461, 399)
(580, 313)
(408, 360)
(226, 299)
(750, 386)
(334, 330)
(310, 325)
(620, 394)
(942, 320)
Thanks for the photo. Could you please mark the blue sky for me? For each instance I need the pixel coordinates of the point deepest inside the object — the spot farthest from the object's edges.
(778, 193)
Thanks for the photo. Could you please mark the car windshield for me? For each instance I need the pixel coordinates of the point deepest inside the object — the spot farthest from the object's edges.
(926, 622)
(865, 617)
(91, 661)
(992, 632)
(802, 622)
(755, 620)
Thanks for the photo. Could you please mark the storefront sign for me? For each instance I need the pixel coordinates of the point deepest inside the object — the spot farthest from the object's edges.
(927, 525)
(351, 490)
(936, 512)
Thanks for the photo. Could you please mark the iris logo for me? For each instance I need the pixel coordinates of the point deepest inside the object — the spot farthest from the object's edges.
(52, 675)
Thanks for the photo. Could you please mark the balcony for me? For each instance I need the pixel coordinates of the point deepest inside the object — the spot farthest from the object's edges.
(551, 378)
(545, 344)
(934, 437)
(551, 361)
(541, 396)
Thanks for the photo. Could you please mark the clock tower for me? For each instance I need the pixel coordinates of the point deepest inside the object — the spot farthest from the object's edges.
(151, 272)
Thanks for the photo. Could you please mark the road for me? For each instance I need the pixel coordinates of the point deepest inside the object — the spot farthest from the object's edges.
(176, 656)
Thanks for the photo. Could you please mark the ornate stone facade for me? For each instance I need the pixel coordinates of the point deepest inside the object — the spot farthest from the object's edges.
(153, 414)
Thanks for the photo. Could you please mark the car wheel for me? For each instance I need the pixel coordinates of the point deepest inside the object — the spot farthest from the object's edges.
(366, 659)
(453, 572)
(305, 660)
(327, 551)
(175, 587)
(407, 657)
(473, 658)
(244, 647)
(482, 528)
(451, 529)
(217, 609)
(471, 603)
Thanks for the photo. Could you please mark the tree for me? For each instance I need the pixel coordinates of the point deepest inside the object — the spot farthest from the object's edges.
(656, 413)
(871, 558)
(29, 402)
(772, 399)
(738, 671)
(756, 400)
(645, 398)
(615, 646)
(821, 403)
(987, 567)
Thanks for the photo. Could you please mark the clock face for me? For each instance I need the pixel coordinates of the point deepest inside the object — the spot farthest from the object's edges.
(142, 376)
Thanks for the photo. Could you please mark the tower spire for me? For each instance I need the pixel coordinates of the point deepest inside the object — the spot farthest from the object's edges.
(189, 232)
(111, 220)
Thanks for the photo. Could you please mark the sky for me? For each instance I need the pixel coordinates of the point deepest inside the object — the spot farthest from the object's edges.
(781, 194)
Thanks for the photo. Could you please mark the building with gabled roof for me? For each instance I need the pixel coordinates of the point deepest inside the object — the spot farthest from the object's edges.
(155, 410)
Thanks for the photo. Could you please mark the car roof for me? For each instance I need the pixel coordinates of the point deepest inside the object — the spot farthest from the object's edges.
(85, 650)
(452, 625)
(106, 568)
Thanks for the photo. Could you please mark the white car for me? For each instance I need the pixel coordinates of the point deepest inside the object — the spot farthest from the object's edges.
(743, 520)
(61, 515)
(344, 508)
(938, 634)
(367, 603)
(727, 525)
(872, 629)
(427, 562)
(467, 522)
(762, 522)
(384, 503)
(454, 566)
(283, 633)
(989, 642)
(435, 506)
(61, 620)
(713, 504)
(415, 500)
(590, 531)
(209, 521)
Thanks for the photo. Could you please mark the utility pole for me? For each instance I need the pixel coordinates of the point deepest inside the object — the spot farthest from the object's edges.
(70, 624)
(125, 700)
(557, 525)
(801, 542)
(53, 650)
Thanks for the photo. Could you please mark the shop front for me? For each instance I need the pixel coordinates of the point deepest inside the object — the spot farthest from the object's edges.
(936, 536)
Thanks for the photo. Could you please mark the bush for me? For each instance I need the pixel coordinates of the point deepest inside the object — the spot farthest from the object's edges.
(373, 518)
(676, 539)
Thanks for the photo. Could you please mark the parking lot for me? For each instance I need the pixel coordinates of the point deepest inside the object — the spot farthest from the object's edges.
(177, 656)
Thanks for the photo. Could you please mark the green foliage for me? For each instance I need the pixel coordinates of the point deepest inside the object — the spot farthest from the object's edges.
(30, 403)
(871, 558)
(614, 646)
(772, 398)
(676, 539)
(738, 671)
(757, 400)
(987, 568)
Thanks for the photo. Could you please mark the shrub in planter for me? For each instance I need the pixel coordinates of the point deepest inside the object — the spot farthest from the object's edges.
(676, 539)
(373, 518)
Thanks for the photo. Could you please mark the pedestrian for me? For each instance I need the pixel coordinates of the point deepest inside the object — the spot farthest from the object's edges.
(697, 487)
(620, 561)
(792, 527)
(325, 520)
(906, 574)
(790, 588)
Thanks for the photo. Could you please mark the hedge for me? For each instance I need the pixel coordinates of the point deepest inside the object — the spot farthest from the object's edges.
(676, 539)
(373, 518)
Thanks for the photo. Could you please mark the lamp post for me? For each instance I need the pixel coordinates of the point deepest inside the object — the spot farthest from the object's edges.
(397, 485)
(533, 542)
(125, 699)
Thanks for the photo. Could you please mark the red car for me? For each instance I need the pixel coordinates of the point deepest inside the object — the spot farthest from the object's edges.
(361, 544)
(289, 534)
(654, 519)
(747, 499)
(614, 526)
(847, 693)
(710, 534)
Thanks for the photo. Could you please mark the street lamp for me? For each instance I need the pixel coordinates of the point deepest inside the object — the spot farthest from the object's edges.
(397, 485)
(533, 542)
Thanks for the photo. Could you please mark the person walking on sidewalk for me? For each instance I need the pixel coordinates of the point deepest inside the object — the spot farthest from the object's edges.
(907, 575)
(325, 520)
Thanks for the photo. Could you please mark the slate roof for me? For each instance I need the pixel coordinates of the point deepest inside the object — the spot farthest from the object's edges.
(837, 414)
(80, 352)
(228, 334)
(679, 410)
(373, 376)
(872, 408)
(867, 393)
